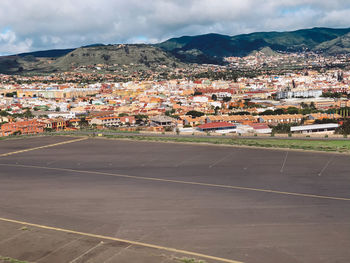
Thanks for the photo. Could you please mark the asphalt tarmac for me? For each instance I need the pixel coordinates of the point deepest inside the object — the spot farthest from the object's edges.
(228, 203)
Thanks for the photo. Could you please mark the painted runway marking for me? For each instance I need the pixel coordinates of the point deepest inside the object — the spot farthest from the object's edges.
(142, 244)
(117, 254)
(42, 147)
(150, 161)
(181, 182)
(58, 249)
(284, 162)
(220, 160)
(87, 252)
(326, 165)
(186, 160)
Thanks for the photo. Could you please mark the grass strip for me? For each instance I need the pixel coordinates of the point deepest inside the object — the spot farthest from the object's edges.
(313, 145)
(11, 260)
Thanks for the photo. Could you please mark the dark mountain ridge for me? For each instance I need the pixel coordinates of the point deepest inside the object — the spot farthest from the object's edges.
(207, 48)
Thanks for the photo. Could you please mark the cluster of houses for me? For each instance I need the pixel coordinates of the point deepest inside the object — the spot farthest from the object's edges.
(225, 106)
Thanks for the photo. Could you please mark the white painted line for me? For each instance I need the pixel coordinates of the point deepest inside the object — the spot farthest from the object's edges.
(284, 162)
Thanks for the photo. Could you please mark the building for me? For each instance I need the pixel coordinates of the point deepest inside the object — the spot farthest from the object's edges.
(283, 118)
(217, 127)
(261, 128)
(315, 128)
(111, 121)
(160, 120)
(22, 127)
(231, 118)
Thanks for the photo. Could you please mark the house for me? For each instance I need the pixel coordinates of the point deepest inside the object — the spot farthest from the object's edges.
(56, 124)
(128, 120)
(161, 120)
(321, 116)
(5, 119)
(192, 121)
(111, 121)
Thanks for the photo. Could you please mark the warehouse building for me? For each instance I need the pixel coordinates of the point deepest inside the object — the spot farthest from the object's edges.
(315, 128)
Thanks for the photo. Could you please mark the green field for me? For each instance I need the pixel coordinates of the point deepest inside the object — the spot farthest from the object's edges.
(314, 145)
(10, 260)
(329, 145)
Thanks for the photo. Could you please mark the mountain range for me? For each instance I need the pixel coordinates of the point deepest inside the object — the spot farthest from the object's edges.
(208, 48)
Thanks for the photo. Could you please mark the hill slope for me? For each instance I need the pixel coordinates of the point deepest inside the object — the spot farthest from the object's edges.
(142, 55)
(218, 46)
(340, 45)
(138, 56)
(208, 48)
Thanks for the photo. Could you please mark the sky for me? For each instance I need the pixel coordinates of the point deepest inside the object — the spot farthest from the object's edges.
(28, 25)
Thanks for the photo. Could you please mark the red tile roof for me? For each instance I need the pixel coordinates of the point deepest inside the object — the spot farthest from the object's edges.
(213, 125)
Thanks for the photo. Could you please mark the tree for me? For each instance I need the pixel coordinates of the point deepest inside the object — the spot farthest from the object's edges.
(226, 99)
(312, 105)
(340, 76)
(304, 105)
(268, 112)
(292, 110)
(194, 113)
(216, 110)
(4, 113)
(278, 111)
(170, 112)
(83, 123)
(283, 127)
(344, 128)
(28, 114)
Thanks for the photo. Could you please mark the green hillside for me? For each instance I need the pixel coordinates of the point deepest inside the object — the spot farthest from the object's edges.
(218, 46)
(340, 45)
(208, 48)
(135, 56)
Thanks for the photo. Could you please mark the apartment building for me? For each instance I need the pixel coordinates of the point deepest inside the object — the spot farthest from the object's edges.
(283, 118)
(22, 127)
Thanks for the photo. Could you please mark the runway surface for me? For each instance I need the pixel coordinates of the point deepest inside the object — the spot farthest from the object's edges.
(215, 203)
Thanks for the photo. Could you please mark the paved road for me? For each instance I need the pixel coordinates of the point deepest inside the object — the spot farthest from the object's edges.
(249, 205)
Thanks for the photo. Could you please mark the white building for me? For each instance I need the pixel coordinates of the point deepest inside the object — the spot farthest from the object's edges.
(315, 128)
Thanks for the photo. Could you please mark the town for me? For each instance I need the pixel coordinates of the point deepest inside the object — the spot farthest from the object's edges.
(300, 102)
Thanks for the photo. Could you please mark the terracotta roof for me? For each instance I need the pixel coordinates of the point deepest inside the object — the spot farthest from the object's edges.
(213, 125)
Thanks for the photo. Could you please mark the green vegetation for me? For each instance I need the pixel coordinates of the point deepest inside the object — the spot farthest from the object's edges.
(344, 128)
(194, 113)
(189, 260)
(283, 128)
(313, 145)
(289, 110)
(140, 56)
(330, 94)
(11, 260)
(211, 46)
(24, 228)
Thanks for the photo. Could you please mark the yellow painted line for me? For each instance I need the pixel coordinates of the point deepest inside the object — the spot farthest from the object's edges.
(142, 244)
(41, 147)
(182, 182)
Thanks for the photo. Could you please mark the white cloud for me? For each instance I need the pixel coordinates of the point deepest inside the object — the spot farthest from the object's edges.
(8, 41)
(42, 24)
